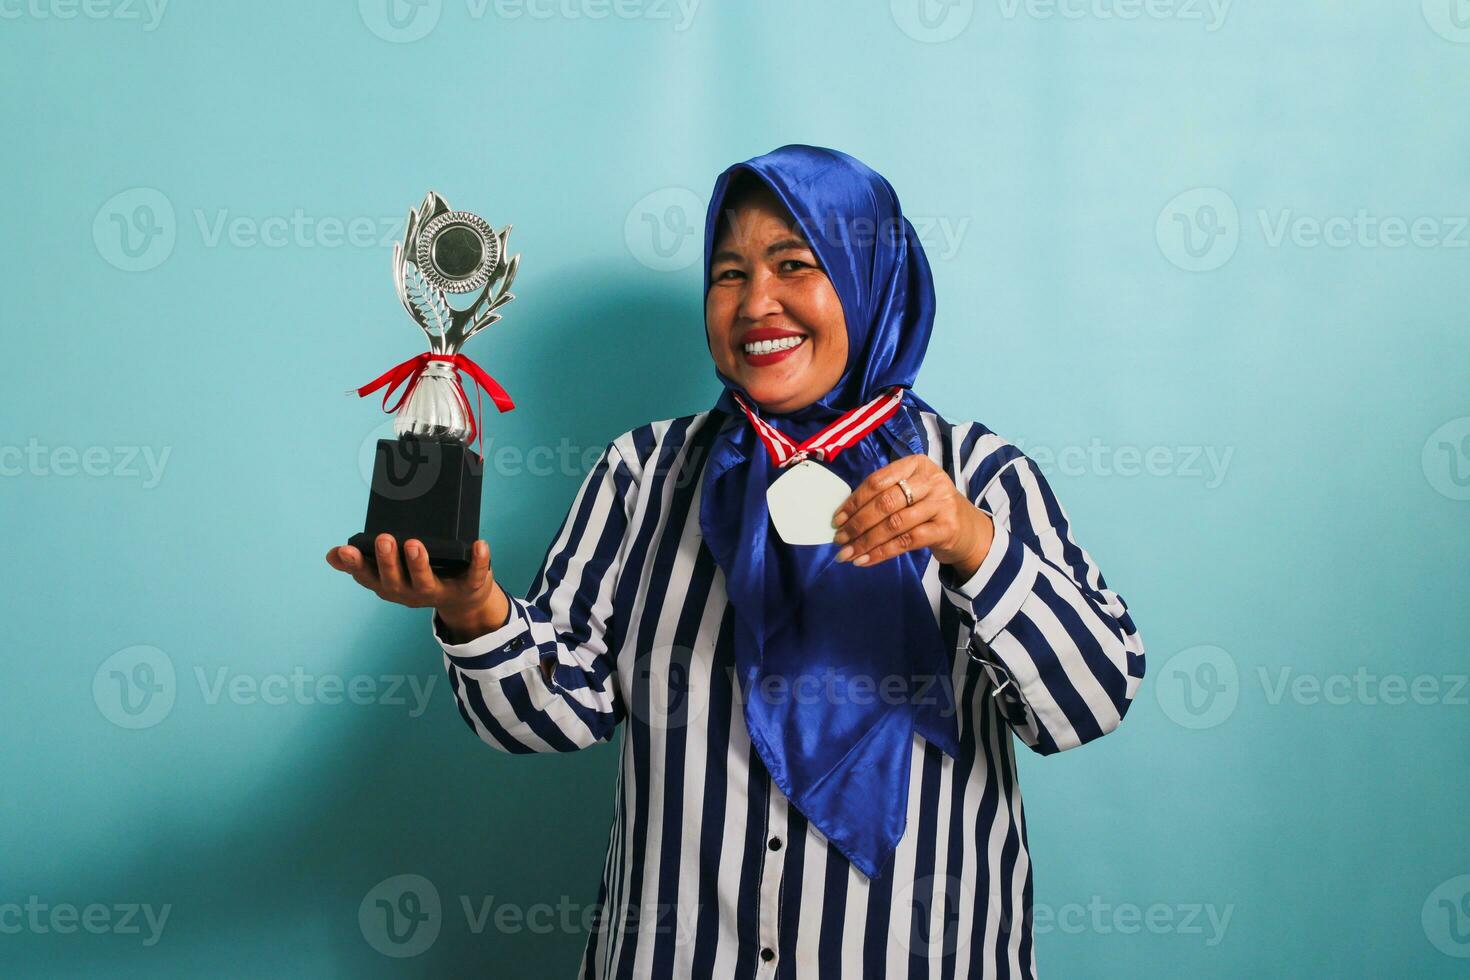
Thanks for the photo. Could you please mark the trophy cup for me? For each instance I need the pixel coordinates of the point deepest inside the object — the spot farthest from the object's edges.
(426, 481)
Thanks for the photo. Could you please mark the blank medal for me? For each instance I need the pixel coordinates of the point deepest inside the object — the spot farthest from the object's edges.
(802, 502)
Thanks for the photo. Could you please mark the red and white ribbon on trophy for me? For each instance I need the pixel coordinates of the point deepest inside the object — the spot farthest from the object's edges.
(411, 371)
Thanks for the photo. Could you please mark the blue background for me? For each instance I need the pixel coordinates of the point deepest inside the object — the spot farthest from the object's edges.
(1261, 433)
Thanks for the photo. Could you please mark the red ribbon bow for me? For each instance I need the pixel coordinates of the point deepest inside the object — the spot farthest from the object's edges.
(411, 370)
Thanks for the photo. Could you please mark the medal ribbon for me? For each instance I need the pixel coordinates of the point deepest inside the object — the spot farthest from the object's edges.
(412, 370)
(826, 443)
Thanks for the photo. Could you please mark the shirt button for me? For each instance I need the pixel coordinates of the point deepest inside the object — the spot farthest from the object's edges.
(775, 844)
(768, 954)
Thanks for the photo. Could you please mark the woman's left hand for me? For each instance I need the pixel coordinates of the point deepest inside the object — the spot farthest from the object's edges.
(877, 521)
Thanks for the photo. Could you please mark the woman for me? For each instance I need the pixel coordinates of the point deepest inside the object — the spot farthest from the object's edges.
(818, 679)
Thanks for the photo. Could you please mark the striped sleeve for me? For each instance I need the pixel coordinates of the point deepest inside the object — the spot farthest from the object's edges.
(1061, 650)
(566, 623)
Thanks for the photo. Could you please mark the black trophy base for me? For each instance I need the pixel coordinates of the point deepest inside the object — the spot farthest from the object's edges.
(427, 490)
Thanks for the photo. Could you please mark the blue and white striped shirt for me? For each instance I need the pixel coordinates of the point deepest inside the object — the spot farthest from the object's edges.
(709, 871)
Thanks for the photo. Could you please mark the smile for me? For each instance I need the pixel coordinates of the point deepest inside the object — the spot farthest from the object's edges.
(761, 352)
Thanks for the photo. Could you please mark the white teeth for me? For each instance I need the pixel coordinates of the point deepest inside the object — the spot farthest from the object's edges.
(771, 346)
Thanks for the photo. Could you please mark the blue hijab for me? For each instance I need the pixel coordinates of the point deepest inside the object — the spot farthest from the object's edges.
(838, 665)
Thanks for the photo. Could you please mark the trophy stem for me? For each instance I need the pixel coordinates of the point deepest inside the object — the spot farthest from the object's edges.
(437, 407)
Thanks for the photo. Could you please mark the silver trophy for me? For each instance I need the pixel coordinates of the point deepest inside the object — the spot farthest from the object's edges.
(427, 481)
(445, 251)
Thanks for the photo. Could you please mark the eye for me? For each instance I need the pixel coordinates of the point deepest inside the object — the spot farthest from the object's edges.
(797, 265)
(725, 274)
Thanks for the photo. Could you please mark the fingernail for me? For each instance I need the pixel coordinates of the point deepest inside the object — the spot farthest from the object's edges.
(346, 559)
(383, 547)
(845, 553)
(860, 560)
(412, 549)
(840, 537)
(840, 519)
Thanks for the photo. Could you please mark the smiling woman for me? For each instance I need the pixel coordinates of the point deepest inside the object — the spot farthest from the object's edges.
(819, 692)
(775, 323)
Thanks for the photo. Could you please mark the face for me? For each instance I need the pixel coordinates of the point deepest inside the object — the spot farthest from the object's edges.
(775, 324)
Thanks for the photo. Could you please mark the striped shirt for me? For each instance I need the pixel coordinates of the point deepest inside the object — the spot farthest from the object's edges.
(710, 872)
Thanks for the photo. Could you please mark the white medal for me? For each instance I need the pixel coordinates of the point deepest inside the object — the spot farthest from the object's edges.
(804, 497)
(802, 501)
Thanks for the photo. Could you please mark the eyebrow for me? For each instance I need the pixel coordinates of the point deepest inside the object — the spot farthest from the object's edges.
(784, 245)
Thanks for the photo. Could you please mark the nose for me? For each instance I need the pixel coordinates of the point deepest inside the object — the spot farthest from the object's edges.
(761, 296)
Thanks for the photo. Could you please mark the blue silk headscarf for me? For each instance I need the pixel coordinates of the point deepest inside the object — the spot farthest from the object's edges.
(838, 665)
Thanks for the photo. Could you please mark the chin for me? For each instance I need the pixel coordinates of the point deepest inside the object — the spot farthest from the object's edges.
(776, 397)
(783, 391)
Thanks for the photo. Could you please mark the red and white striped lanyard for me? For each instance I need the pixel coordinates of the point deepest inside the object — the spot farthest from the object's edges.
(825, 444)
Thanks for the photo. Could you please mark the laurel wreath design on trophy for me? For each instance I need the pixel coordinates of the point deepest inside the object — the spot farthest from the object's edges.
(445, 251)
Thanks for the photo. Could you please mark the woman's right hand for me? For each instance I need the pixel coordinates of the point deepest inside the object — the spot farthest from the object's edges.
(470, 605)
